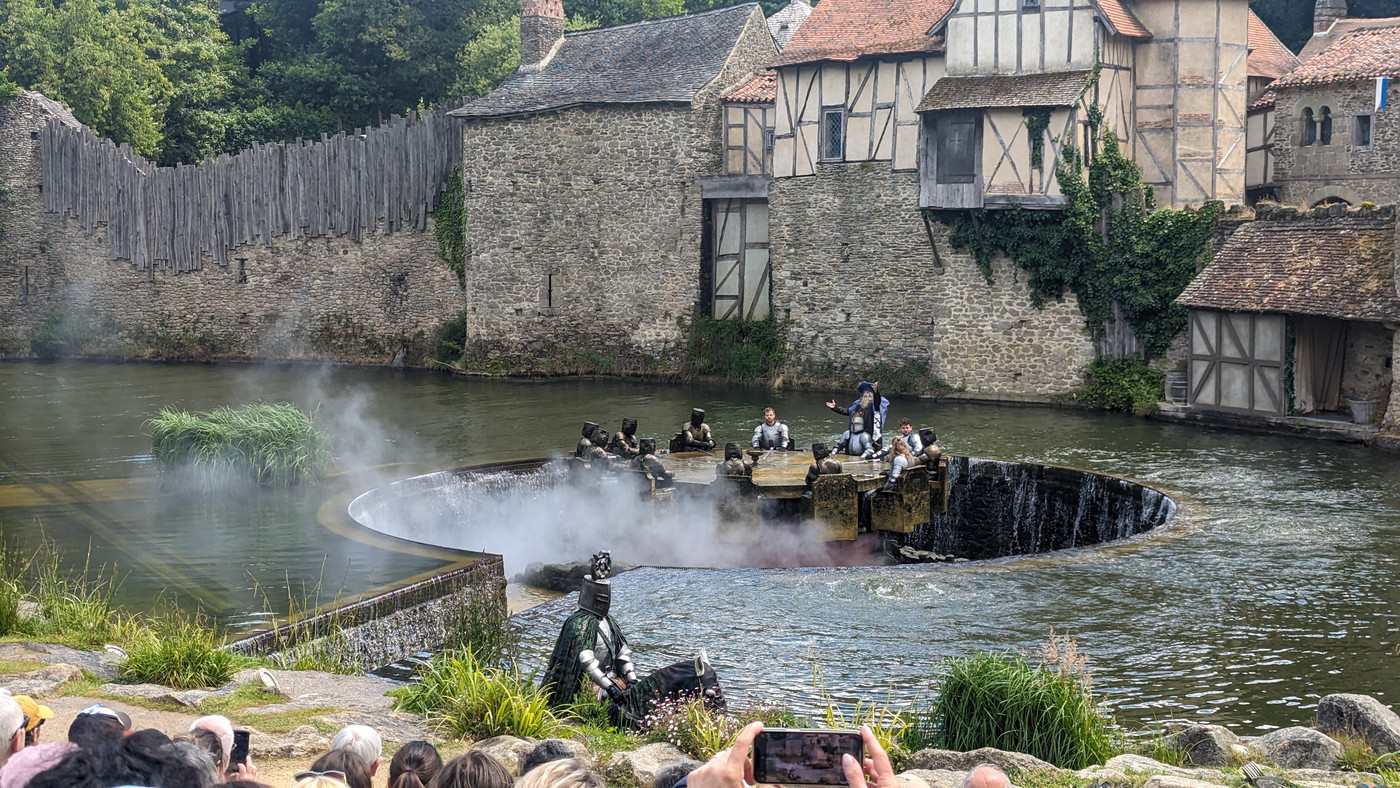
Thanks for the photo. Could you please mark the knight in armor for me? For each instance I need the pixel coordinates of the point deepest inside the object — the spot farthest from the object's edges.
(856, 441)
(735, 465)
(931, 452)
(871, 406)
(911, 440)
(585, 444)
(647, 462)
(624, 444)
(597, 454)
(822, 463)
(592, 648)
(771, 433)
(695, 434)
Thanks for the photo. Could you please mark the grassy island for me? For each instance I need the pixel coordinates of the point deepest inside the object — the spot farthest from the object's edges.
(274, 445)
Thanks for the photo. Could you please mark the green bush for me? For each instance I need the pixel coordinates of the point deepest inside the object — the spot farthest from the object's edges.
(178, 651)
(451, 340)
(449, 225)
(744, 351)
(1002, 701)
(1123, 384)
(472, 700)
(64, 334)
(274, 445)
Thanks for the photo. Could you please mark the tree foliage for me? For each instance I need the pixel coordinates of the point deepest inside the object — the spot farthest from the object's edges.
(1109, 244)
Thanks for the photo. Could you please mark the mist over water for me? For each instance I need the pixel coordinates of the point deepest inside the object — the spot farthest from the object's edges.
(1277, 583)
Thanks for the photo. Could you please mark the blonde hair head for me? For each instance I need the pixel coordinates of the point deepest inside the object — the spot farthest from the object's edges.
(564, 773)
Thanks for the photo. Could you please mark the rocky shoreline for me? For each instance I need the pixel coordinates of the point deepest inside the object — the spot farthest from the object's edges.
(1208, 755)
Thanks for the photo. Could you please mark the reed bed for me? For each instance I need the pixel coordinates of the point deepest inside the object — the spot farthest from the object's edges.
(275, 445)
(471, 699)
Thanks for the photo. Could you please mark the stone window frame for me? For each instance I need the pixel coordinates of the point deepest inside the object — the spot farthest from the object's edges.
(824, 140)
(1356, 130)
(1307, 132)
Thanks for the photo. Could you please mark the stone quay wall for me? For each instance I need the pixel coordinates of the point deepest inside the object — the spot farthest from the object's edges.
(394, 626)
(854, 271)
(313, 298)
(1309, 175)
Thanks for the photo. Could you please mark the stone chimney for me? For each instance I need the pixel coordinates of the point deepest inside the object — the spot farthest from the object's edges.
(541, 27)
(1325, 13)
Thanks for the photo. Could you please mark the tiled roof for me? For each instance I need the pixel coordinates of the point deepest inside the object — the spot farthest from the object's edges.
(762, 89)
(1364, 53)
(784, 23)
(1053, 89)
(1268, 57)
(1122, 20)
(1320, 41)
(660, 60)
(1265, 100)
(850, 29)
(1341, 267)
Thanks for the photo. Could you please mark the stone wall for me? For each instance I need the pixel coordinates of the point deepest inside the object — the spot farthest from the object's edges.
(1340, 170)
(853, 269)
(328, 298)
(1367, 362)
(584, 225)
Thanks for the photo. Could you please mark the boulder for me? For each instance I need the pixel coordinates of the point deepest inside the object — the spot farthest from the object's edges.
(509, 750)
(1298, 748)
(1172, 781)
(1204, 745)
(936, 778)
(909, 780)
(1331, 776)
(932, 759)
(297, 744)
(155, 692)
(1361, 716)
(42, 682)
(646, 761)
(1143, 765)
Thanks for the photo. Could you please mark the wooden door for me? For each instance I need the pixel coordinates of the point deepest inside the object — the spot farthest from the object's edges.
(1237, 362)
(951, 175)
(741, 272)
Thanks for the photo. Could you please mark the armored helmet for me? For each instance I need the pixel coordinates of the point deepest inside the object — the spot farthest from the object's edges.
(595, 595)
(589, 427)
(600, 435)
(629, 427)
(732, 451)
(697, 416)
(820, 451)
(648, 445)
(927, 436)
(857, 424)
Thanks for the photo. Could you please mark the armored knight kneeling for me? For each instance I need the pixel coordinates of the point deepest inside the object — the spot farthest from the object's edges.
(592, 647)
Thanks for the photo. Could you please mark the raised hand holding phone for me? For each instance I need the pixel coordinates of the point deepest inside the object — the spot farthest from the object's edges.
(877, 766)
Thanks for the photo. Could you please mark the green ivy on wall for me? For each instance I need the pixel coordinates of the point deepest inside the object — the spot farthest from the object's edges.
(450, 225)
(1037, 123)
(1109, 243)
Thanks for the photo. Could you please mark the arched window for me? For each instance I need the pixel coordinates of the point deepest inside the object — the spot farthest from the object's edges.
(1324, 134)
(1309, 127)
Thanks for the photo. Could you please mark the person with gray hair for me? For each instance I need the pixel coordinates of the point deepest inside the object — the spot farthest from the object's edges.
(220, 726)
(11, 726)
(362, 740)
(985, 775)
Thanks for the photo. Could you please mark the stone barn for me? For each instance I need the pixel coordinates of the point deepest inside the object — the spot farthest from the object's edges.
(585, 215)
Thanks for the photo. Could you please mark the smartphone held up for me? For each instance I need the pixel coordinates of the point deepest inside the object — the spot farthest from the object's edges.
(790, 756)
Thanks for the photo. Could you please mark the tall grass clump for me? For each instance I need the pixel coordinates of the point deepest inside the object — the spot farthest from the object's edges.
(1004, 701)
(474, 700)
(74, 608)
(177, 650)
(273, 445)
(745, 351)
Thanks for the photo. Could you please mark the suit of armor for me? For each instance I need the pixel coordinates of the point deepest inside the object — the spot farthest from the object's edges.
(822, 464)
(735, 464)
(624, 443)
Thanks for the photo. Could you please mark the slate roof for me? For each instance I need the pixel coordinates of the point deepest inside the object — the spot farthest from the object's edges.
(1052, 89)
(656, 61)
(851, 29)
(1268, 57)
(1363, 53)
(783, 24)
(1341, 267)
(1122, 20)
(762, 89)
(55, 109)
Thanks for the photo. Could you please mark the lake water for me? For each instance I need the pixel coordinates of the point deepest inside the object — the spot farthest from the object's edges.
(1276, 584)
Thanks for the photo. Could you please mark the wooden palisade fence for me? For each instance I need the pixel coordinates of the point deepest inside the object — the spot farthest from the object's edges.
(383, 179)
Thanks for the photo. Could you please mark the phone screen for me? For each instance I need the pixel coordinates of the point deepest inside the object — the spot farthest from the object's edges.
(239, 753)
(804, 757)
